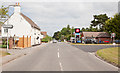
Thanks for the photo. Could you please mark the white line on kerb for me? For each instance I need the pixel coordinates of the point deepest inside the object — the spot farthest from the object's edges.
(58, 49)
(61, 68)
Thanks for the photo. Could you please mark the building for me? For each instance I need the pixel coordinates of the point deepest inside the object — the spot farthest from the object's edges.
(99, 37)
(24, 30)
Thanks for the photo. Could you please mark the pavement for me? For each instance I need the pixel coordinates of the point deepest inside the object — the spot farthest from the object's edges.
(16, 53)
(58, 57)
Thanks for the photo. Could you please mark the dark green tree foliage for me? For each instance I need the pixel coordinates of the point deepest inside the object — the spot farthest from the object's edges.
(72, 32)
(90, 29)
(65, 33)
(57, 35)
(99, 20)
(113, 25)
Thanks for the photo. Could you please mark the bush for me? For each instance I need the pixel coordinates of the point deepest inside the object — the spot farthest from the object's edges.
(44, 40)
(4, 46)
(0, 46)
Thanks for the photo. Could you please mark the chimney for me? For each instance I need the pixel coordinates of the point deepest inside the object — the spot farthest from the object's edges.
(17, 8)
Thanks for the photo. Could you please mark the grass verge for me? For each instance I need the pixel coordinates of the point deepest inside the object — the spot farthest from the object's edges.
(3, 53)
(111, 55)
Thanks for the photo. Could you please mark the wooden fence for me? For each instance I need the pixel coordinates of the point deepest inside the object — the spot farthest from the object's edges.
(24, 42)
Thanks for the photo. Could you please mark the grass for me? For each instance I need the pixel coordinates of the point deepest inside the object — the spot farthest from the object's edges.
(110, 55)
(3, 53)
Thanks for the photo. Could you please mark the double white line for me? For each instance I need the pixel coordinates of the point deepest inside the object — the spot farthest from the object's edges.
(61, 68)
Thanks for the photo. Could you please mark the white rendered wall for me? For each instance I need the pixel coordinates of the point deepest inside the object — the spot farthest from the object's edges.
(35, 33)
(20, 26)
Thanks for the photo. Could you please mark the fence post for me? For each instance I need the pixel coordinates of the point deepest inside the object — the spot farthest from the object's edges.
(23, 41)
(27, 41)
(10, 43)
(30, 41)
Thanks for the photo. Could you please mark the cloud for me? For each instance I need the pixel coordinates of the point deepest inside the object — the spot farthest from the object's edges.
(60, 1)
(53, 16)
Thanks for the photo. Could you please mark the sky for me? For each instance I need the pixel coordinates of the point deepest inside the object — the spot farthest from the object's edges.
(53, 15)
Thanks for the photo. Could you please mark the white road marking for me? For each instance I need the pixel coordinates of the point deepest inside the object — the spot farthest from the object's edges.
(58, 54)
(61, 68)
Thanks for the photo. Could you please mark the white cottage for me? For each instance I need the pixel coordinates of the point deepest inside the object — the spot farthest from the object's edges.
(22, 26)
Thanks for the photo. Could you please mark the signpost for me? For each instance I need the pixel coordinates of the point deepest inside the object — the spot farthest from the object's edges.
(7, 27)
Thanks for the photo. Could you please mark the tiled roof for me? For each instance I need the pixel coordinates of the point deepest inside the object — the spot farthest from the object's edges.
(30, 21)
(96, 34)
(44, 33)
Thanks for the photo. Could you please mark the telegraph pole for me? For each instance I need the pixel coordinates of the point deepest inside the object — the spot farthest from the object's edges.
(7, 29)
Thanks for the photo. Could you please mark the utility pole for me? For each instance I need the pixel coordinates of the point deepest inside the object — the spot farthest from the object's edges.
(7, 29)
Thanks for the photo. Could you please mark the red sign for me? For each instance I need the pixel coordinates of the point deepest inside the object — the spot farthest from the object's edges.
(77, 30)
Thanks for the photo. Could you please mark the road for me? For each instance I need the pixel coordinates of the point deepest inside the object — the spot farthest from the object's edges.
(58, 57)
(93, 48)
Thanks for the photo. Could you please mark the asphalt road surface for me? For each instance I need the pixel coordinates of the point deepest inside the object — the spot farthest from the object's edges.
(93, 48)
(58, 57)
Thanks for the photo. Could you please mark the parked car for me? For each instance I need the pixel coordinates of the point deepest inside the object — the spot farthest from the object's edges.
(78, 41)
(117, 41)
(54, 41)
(106, 41)
(59, 40)
(95, 42)
(87, 41)
(69, 41)
(73, 41)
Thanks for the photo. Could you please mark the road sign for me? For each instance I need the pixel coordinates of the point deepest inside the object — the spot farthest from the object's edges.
(8, 26)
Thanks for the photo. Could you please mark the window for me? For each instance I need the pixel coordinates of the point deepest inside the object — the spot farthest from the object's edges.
(5, 30)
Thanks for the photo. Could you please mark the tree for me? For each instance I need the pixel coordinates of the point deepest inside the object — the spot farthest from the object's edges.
(113, 25)
(72, 32)
(65, 33)
(83, 29)
(99, 21)
(46, 39)
(3, 13)
(57, 35)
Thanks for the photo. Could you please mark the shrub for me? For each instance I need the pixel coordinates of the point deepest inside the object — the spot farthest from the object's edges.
(4, 46)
